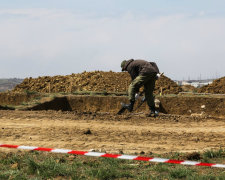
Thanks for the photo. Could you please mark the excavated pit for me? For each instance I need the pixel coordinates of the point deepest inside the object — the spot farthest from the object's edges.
(198, 106)
(201, 105)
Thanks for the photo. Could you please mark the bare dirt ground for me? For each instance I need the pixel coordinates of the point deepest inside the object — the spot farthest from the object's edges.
(129, 133)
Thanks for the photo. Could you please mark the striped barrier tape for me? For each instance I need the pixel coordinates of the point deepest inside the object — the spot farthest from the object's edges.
(117, 156)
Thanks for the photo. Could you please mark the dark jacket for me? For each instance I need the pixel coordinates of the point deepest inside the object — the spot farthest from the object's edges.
(140, 67)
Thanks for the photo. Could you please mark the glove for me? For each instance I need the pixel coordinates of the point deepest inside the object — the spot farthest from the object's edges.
(143, 99)
(137, 96)
(158, 75)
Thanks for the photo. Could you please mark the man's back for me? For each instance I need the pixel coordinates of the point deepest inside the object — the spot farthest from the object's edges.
(141, 67)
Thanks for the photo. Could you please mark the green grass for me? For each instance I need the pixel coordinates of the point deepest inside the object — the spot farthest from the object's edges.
(7, 107)
(42, 165)
(28, 92)
(181, 172)
(214, 153)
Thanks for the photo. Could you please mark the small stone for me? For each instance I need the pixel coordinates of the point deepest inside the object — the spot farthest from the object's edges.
(194, 156)
(120, 152)
(142, 152)
(88, 132)
(203, 106)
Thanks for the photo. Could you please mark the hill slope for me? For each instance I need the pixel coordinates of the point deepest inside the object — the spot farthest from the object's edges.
(8, 84)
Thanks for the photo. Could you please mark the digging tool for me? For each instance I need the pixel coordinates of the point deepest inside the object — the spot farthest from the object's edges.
(140, 104)
(137, 96)
(159, 75)
(121, 111)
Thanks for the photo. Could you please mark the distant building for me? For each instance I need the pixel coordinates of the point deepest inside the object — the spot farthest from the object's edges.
(195, 83)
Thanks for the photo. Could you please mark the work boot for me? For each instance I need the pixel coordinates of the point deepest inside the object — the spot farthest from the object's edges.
(130, 106)
(153, 112)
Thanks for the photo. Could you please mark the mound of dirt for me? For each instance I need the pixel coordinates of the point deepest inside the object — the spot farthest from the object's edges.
(167, 86)
(97, 81)
(217, 87)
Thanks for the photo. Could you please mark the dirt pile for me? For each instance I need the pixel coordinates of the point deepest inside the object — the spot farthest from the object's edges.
(167, 86)
(217, 87)
(91, 81)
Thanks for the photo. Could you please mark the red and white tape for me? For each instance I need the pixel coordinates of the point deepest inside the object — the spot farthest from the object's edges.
(118, 156)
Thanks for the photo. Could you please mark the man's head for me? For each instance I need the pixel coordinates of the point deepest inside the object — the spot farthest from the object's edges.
(123, 64)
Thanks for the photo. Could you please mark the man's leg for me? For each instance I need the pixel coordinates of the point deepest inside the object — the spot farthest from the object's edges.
(133, 88)
(149, 88)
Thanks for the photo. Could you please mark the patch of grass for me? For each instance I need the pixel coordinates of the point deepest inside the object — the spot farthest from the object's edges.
(9, 159)
(207, 177)
(81, 92)
(161, 168)
(37, 98)
(214, 153)
(175, 155)
(13, 174)
(108, 173)
(111, 169)
(28, 92)
(7, 107)
(24, 103)
(181, 172)
(49, 168)
(37, 103)
(41, 165)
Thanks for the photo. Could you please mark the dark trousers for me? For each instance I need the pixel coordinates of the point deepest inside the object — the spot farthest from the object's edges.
(148, 81)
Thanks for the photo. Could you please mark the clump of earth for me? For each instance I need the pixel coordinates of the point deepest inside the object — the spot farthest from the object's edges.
(217, 87)
(97, 81)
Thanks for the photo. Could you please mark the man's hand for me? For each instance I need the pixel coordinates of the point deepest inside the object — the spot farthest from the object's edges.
(137, 96)
(158, 75)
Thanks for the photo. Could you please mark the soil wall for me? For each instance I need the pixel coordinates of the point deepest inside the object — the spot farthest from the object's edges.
(15, 98)
(199, 106)
(196, 106)
(183, 105)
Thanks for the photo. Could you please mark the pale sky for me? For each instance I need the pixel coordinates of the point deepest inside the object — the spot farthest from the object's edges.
(186, 38)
